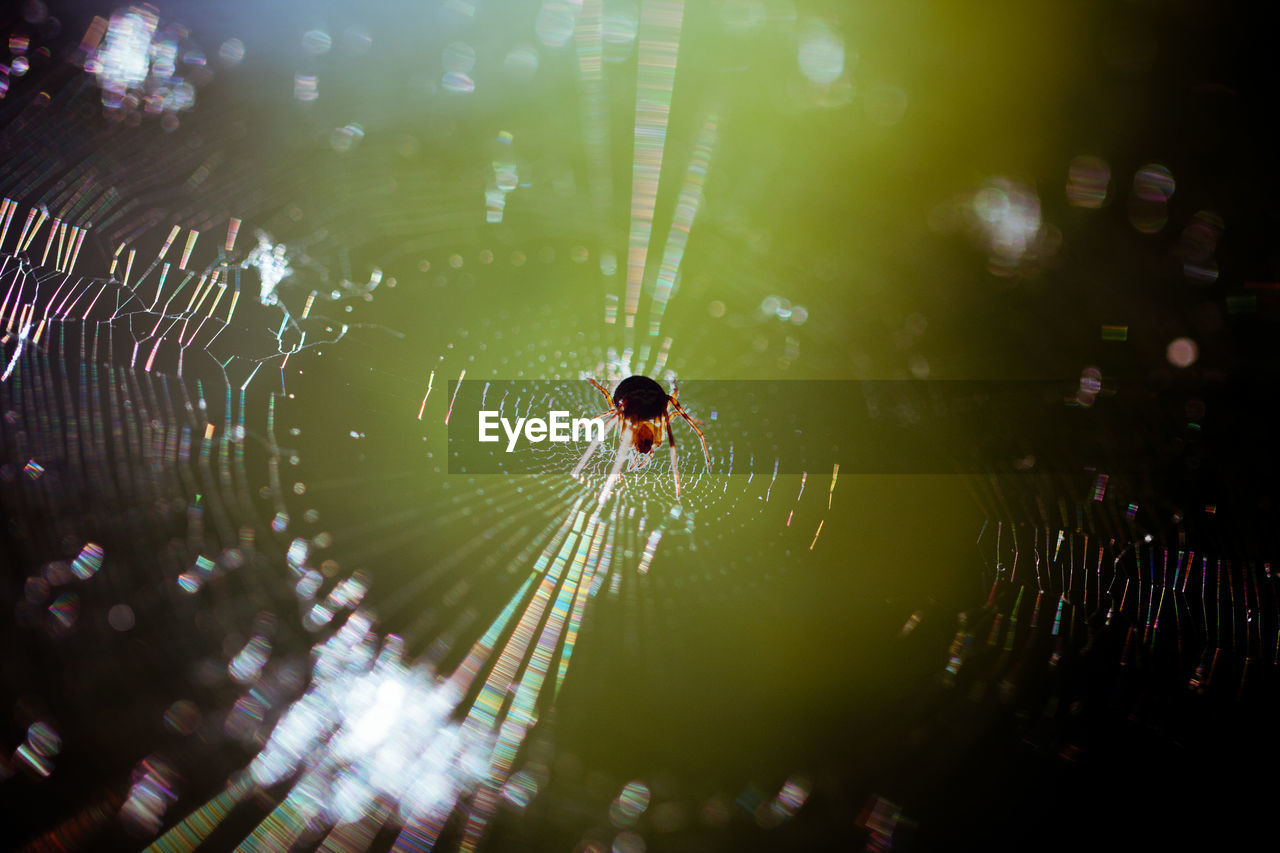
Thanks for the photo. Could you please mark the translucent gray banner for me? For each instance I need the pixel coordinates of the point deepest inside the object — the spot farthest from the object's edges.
(872, 427)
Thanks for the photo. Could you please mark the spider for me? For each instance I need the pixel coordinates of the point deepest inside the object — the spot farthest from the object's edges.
(640, 404)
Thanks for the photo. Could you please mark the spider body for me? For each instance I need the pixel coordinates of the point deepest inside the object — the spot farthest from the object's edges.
(640, 398)
(642, 408)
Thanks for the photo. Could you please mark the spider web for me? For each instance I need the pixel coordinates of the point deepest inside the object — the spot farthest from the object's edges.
(194, 350)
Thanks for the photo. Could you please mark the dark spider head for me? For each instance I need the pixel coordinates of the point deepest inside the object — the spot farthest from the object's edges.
(645, 437)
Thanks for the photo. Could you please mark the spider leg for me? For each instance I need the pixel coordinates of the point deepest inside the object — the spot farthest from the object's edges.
(675, 398)
(671, 443)
(602, 390)
(693, 423)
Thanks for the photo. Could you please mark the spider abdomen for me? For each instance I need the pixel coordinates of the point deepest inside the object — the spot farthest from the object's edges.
(641, 398)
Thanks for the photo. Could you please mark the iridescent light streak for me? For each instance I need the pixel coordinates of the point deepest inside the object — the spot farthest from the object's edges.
(173, 235)
(594, 553)
(48, 241)
(484, 713)
(816, 534)
(189, 248)
(588, 41)
(449, 413)
(423, 827)
(6, 214)
(190, 832)
(516, 657)
(28, 233)
(522, 713)
(650, 548)
(233, 228)
(659, 37)
(430, 381)
(687, 204)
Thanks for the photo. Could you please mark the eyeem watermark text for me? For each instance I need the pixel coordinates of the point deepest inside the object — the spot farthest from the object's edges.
(558, 426)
